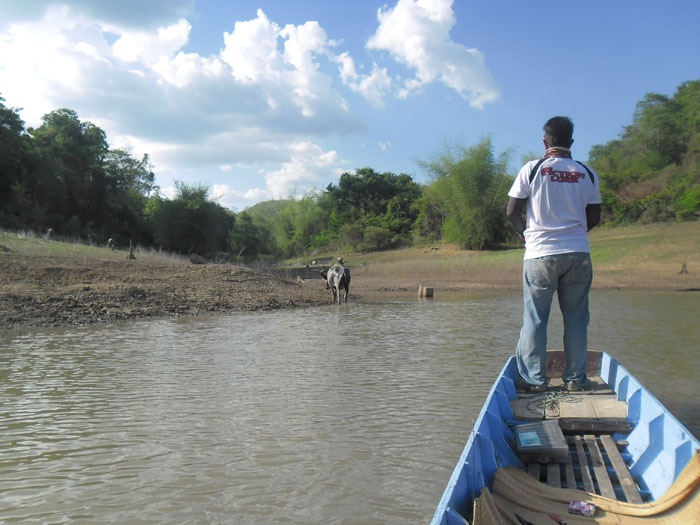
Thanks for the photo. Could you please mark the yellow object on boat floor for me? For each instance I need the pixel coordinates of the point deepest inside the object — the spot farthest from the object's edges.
(515, 492)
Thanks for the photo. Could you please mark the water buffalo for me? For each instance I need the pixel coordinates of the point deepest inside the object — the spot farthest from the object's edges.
(337, 278)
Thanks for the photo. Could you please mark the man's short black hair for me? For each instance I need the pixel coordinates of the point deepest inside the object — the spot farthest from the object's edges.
(559, 132)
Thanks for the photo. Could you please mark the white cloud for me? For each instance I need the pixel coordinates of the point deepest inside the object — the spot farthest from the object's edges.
(159, 52)
(88, 50)
(308, 166)
(148, 47)
(251, 50)
(416, 34)
(249, 105)
(227, 196)
(287, 74)
(188, 68)
(373, 87)
(38, 60)
(268, 101)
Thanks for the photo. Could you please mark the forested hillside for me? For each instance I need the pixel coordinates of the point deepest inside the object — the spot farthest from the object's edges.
(64, 176)
(652, 172)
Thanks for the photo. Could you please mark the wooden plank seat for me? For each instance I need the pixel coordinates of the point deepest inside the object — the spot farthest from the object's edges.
(595, 411)
(595, 465)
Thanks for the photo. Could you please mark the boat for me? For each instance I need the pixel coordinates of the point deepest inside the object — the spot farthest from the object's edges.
(612, 449)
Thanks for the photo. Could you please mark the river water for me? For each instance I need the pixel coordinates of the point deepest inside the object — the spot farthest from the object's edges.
(352, 414)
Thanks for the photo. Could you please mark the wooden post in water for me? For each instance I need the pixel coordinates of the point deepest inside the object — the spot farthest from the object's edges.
(424, 291)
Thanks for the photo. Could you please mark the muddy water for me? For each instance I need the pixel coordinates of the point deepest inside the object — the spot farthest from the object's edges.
(353, 414)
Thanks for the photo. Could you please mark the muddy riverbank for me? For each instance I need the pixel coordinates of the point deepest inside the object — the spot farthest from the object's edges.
(48, 283)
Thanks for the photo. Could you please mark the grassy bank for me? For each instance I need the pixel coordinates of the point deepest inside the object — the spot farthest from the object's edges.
(642, 257)
(648, 256)
(50, 283)
(639, 257)
(29, 244)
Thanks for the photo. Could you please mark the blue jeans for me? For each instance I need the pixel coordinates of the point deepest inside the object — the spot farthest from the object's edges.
(569, 275)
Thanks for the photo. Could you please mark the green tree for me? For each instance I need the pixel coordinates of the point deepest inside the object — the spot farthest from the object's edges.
(251, 238)
(129, 182)
(352, 233)
(70, 179)
(62, 175)
(377, 237)
(367, 192)
(402, 212)
(470, 188)
(15, 163)
(432, 211)
(190, 223)
(657, 128)
(306, 219)
(332, 219)
(652, 172)
(370, 198)
(270, 215)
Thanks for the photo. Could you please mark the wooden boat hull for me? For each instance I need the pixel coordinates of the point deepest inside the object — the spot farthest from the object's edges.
(657, 447)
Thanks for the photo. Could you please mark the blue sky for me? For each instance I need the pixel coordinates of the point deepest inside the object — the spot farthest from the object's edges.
(273, 98)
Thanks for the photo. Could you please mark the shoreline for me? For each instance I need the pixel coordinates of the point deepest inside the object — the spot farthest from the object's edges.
(39, 291)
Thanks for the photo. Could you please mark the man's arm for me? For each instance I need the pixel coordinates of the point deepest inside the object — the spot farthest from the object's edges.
(514, 212)
(592, 216)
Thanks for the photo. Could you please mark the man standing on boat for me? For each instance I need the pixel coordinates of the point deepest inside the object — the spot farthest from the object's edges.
(563, 203)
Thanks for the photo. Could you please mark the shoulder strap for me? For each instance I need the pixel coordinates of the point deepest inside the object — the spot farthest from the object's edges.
(533, 172)
(590, 173)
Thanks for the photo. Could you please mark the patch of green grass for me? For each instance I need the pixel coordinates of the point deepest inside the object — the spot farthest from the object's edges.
(612, 249)
(31, 245)
(652, 245)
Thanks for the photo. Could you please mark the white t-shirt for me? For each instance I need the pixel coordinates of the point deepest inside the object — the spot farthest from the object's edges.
(556, 206)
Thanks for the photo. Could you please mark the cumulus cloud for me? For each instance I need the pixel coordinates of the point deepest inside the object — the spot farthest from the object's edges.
(158, 52)
(372, 87)
(309, 164)
(264, 104)
(416, 34)
(251, 50)
(148, 47)
(284, 64)
(229, 197)
(306, 170)
(247, 105)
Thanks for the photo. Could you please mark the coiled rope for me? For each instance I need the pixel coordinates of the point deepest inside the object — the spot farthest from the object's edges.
(547, 405)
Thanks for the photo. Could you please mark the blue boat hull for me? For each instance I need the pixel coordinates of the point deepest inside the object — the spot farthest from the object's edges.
(658, 448)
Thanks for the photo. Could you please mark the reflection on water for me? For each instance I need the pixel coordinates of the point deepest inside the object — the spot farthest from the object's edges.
(342, 414)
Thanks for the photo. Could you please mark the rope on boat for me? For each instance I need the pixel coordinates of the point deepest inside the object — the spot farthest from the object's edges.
(548, 404)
